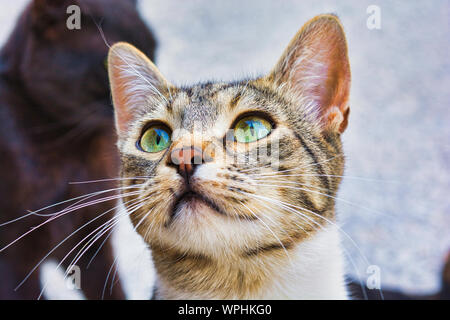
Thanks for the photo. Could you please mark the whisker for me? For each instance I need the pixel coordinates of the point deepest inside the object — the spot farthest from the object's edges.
(95, 231)
(137, 204)
(115, 260)
(137, 225)
(328, 175)
(361, 284)
(110, 179)
(106, 238)
(330, 222)
(330, 196)
(136, 72)
(62, 242)
(265, 205)
(84, 196)
(287, 170)
(64, 212)
(292, 182)
(309, 220)
(270, 230)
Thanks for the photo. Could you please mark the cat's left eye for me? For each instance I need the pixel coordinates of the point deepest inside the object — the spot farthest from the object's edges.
(251, 128)
(155, 139)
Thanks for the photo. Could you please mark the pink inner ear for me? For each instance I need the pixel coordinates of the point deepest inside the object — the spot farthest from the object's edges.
(120, 97)
(316, 66)
(135, 83)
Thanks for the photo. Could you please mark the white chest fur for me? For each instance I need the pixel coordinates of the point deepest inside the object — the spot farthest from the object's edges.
(316, 271)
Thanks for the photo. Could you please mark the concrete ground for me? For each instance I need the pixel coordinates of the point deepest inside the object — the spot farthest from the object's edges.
(395, 202)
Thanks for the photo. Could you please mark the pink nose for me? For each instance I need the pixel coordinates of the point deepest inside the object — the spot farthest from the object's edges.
(186, 160)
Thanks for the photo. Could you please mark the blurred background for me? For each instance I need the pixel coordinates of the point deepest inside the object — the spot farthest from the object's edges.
(395, 202)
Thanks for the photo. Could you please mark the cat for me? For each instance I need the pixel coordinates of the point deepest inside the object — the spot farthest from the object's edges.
(56, 127)
(225, 220)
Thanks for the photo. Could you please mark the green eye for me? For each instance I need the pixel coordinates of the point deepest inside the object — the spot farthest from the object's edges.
(251, 128)
(155, 139)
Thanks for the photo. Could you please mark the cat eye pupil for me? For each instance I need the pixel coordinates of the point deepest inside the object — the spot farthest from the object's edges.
(252, 128)
(155, 139)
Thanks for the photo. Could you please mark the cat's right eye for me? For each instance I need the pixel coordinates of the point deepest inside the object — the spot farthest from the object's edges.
(251, 128)
(156, 138)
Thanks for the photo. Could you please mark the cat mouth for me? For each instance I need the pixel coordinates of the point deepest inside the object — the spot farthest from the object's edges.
(191, 198)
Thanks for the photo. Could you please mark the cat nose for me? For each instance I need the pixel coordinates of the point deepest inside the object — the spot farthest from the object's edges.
(186, 160)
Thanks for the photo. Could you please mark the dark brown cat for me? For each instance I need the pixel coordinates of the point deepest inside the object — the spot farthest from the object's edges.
(56, 126)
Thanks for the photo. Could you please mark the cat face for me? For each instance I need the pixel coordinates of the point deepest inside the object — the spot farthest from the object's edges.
(234, 169)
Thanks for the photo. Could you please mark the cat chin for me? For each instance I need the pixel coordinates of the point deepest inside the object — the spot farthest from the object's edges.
(198, 227)
(194, 204)
(196, 211)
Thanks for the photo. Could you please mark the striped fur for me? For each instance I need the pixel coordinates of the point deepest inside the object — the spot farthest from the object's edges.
(259, 220)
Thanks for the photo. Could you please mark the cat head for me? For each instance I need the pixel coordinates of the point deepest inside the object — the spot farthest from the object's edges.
(64, 70)
(234, 169)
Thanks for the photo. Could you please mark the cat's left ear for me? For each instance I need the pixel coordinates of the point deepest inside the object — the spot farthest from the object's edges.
(315, 66)
(136, 83)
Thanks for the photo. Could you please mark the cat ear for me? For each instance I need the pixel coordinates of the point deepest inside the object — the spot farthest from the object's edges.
(135, 83)
(315, 66)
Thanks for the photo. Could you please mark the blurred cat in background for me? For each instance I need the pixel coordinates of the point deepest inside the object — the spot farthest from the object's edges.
(56, 123)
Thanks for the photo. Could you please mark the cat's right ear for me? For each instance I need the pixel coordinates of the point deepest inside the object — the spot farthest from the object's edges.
(135, 82)
(315, 67)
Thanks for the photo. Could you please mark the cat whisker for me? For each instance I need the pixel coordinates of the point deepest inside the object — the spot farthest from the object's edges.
(329, 196)
(328, 221)
(303, 229)
(358, 274)
(255, 168)
(136, 72)
(293, 169)
(106, 238)
(109, 225)
(276, 173)
(115, 260)
(107, 277)
(111, 179)
(63, 241)
(96, 236)
(270, 230)
(64, 212)
(82, 197)
(325, 219)
(301, 215)
(288, 205)
(289, 182)
(328, 175)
